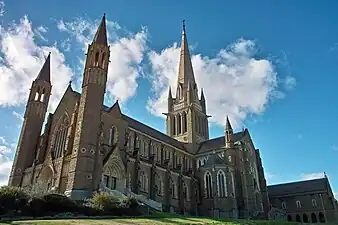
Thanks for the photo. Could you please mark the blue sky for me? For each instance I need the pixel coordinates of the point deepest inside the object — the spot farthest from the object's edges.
(279, 80)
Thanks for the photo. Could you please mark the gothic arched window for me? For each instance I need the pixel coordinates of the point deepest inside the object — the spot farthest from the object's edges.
(179, 124)
(143, 180)
(314, 202)
(137, 141)
(221, 184)
(208, 184)
(158, 184)
(283, 205)
(184, 122)
(103, 61)
(37, 94)
(42, 97)
(298, 204)
(96, 60)
(61, 136)
(174, 125)
(113, 135)
(185, 192)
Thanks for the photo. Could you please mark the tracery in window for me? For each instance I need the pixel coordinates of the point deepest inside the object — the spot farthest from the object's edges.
(221, 184)
(61, 136)
(143, 181)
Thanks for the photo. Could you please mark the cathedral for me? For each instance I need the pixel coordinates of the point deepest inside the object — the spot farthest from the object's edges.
(87, 147)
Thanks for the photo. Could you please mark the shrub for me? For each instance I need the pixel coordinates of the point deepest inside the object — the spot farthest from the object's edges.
(12, 198)
(60, 203)
(36, 206)
(105, 202)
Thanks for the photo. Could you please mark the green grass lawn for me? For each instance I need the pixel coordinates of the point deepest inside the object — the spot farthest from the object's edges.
(149, 221)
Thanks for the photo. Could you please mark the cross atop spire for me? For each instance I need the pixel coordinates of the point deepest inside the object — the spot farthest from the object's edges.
(101, 33)
(183, 26)
(44, 73)
(185, 70)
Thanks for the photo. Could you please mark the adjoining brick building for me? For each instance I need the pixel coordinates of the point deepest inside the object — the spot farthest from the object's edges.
(310, 201)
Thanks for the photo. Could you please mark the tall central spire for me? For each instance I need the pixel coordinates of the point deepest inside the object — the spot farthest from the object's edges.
(185, 70)
(101, 33)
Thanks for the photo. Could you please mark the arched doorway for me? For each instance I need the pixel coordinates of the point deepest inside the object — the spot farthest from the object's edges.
(321, 217)
(298, 218)
(45, 179)
(289, 218)
(113, 176)
(305, 218)
(313, 218)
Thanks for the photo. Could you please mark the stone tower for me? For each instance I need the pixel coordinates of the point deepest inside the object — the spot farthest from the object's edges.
(86, 155)
(34, 117)
(186, 118)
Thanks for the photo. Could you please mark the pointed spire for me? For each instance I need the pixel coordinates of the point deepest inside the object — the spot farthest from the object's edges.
(228, 125)
(170, 95)
(185, 70)
(202, 95)
(101, 33)
(44, 73)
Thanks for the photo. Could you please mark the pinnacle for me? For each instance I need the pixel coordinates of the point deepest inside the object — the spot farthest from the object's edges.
(101, 33)
(44, 73)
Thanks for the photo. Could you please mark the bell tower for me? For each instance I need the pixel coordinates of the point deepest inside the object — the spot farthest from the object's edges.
(34, 117)
(187, 120)
(85, 149)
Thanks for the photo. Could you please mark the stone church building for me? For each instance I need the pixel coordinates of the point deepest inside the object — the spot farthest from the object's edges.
(87, 147)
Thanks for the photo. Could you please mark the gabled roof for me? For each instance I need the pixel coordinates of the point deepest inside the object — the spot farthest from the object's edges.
(299, 187)
(152, 132)
(218, 142)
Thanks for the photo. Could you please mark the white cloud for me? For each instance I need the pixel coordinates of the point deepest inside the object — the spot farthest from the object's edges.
(18, 115)
(21, 62)
(126, 54)
(39, 31)
(5, 167)
(270, 177)
(290, 82)
(2, 8)
(311, 176)
(235, 82)
(5, 162)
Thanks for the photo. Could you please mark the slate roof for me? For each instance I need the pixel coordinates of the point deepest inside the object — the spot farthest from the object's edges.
(218, 142)
(299, 187)
(152, 132)
(214, 159)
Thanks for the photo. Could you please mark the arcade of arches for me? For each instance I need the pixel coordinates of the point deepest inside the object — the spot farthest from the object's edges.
(308, 218)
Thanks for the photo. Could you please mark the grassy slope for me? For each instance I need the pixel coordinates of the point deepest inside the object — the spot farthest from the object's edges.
(149, 221)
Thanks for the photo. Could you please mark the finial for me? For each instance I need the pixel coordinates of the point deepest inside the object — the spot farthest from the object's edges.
(183, 25)
(70, 82)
